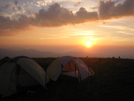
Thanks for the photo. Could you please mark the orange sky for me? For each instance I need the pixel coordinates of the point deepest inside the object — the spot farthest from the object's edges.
(48, 26)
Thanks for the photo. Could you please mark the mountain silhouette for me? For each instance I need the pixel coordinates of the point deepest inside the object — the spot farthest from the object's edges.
(26, 52)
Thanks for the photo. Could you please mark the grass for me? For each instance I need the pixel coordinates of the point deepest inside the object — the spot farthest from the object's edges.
(113, 81)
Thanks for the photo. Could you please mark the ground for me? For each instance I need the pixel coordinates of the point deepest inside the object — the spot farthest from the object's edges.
(113, 81)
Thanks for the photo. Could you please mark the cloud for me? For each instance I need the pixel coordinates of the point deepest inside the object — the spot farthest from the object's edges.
(16, 3)
(8, 26)
(84, 15)
(56, 15)
(77, 3)
(4, 7)
(14, 7)
(109, 9)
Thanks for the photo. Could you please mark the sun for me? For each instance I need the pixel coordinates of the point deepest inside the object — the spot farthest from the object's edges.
(88, 44)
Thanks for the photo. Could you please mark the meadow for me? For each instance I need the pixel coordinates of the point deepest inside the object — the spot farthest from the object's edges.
(113, 81)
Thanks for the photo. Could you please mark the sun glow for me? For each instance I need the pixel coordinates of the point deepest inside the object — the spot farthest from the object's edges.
(88, 44)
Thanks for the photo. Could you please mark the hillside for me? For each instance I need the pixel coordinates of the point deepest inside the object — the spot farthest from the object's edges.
(24, 52)
(113, 81)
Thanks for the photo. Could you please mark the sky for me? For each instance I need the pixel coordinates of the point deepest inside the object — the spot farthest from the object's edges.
(96, 27)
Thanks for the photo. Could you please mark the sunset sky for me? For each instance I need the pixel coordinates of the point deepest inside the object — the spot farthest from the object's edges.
(92, 26)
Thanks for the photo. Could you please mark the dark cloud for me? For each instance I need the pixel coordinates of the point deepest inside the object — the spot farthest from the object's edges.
(56, 15)
(9, 26)
(109, 9)
(16, 3)
(7, 23)
(18, 7)
(4, 7)
(84, 15)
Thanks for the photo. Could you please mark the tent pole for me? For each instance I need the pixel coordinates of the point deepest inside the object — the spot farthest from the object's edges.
(18, 72)
(88, 82)
(75, 76)
(75, 70)
(62, 66)
(46, 76)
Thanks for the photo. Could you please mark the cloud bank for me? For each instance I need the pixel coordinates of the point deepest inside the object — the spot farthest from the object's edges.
(109, 9)
(56, 15)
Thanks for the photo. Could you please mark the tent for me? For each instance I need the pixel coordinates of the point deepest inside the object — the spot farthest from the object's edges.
(20, 72)
(70, 66)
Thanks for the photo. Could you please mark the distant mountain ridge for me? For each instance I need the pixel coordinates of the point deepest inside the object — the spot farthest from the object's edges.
(123, 52)
(13, 52)
(26, 52)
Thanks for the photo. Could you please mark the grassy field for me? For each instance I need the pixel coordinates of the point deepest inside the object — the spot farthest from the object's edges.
(113, 81)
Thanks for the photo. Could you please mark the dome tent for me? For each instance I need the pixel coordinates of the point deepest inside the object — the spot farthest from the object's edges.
(70, 66)
(20, 71)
